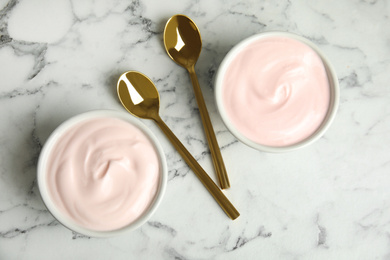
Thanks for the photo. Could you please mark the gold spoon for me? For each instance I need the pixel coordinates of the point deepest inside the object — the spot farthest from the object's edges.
(140, 97)
(183, 44)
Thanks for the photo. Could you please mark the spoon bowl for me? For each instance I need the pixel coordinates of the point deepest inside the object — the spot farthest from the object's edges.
(182, 40)
(140, 97)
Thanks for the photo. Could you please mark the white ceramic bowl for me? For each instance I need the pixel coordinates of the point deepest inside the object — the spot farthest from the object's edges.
(333, 83)
(42, 173)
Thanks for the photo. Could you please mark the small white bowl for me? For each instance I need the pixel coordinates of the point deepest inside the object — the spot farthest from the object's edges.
(42, 173)
(333, 83)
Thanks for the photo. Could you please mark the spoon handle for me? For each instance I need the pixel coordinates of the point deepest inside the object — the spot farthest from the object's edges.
(210, 135)
(224, 202)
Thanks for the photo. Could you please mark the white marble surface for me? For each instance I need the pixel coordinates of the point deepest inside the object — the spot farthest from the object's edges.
(330, 200)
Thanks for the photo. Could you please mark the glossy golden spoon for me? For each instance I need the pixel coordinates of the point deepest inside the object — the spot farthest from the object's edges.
(140, 97)
(183, 44)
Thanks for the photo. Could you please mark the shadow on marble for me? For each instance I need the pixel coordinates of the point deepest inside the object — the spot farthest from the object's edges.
(111, 84)
(160, 29)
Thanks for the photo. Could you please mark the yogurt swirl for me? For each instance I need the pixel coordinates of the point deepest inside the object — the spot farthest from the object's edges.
(276, 91)
(103, 173)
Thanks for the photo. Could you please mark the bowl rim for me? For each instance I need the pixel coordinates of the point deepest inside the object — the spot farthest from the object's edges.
(333, 82)
(52, 140)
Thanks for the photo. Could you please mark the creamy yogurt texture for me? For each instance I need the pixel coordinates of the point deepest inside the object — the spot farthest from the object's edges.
(276, 91)
(103, 173)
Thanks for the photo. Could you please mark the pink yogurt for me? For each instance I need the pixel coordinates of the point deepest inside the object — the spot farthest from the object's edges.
(276, 91)
(103, 173)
